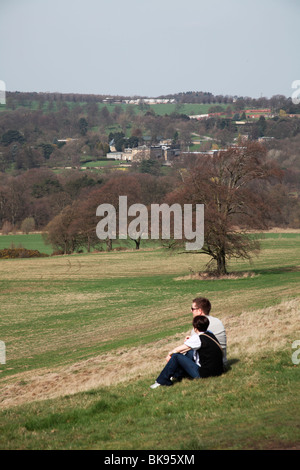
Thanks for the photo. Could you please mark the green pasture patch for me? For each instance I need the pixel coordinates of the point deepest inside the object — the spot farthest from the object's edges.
(101, 163)
(35, 241)
(160, 109)
(32, 241)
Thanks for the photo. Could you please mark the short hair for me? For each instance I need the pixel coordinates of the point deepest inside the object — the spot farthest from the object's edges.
(200, 323)
(203, 303)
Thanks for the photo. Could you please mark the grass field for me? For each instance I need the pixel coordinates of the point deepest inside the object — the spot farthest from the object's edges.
(87, 334)
(32, 241)
(160, 109)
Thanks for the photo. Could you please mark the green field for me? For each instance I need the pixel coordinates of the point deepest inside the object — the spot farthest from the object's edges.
(160, 109)
(87, 334)
(32, 241)
(35, 241)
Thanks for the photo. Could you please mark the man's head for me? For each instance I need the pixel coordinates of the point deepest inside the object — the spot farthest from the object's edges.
(200, 306)
(200, 323)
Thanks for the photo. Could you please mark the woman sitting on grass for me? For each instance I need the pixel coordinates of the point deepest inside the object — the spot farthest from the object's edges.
(200, 356)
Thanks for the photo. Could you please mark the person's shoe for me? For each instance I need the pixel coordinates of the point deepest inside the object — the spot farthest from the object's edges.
(175, 379)
(155, 385)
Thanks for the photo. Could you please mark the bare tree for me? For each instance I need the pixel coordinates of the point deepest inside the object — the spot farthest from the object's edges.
(60, 232)
(233, 186)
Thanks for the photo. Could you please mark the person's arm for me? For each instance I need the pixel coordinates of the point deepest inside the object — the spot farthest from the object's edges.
(183, 348)
(188, 336)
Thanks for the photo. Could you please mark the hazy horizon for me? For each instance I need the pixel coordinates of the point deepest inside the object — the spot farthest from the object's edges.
(139, 48)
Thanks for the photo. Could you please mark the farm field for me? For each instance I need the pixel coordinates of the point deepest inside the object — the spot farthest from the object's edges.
(35, 241)
(31, 241)
(87, 334)
(160, 109)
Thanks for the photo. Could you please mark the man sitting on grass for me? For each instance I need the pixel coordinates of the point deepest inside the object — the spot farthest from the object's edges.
(209, 357)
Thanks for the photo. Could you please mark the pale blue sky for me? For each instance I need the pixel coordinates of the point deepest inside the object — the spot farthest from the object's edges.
(150, 47)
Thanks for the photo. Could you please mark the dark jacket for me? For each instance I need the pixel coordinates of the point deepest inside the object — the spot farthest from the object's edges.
(210, 356)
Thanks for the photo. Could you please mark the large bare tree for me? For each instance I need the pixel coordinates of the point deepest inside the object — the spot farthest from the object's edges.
(233, 186)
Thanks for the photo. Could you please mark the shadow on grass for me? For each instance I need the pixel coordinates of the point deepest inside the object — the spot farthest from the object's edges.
(230, 363)
(278, 270)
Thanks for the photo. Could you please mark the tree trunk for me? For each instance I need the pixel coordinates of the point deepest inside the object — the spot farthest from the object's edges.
(221, 263)
(108, 244)
(137, 242)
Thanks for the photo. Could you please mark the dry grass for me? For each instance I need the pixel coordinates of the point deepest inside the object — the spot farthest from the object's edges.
(100, 265)
(102, 370)
(272, 329)
(212, 276)
(279, 230)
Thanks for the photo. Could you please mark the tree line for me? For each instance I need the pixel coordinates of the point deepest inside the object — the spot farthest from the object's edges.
(276, 102)
(238, 187)
(38, 138)
(241, 188)
(69, 136)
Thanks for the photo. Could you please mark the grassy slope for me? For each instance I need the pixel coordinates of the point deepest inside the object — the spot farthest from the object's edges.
(83, 323)
(160, 109)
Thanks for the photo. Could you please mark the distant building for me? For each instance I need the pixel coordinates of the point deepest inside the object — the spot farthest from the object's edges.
(114, 156)
(265, 139)
(68, 139)
(199, 117)
(131, 154)
(164, 150)
(149, 101)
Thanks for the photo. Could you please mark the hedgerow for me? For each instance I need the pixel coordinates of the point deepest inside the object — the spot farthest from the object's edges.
(8, 253)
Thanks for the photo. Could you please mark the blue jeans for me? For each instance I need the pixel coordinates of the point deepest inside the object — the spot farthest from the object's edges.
(179, 366)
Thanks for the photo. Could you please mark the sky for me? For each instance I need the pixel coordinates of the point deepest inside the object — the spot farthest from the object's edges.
(150, 47)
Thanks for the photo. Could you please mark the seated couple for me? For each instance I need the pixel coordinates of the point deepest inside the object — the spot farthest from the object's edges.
(200, 356)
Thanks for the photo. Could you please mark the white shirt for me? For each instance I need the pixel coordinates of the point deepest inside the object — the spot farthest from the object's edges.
(194, 343)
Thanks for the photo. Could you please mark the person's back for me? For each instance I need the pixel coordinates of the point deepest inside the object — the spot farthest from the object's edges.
(217, 328)
(210, 355)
